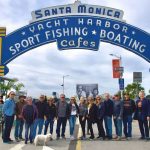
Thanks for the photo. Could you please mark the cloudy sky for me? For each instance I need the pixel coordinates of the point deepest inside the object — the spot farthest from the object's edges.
(82, 66)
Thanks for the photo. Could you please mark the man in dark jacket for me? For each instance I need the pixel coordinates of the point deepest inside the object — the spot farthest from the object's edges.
(29, 114)
(19, 119)
(142, 114)
(100, 117)
(108, 115)
(128, 110)
(39, 122)
(62, 108)
(50, 115)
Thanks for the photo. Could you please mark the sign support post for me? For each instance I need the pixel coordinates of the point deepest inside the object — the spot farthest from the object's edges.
(2, 35)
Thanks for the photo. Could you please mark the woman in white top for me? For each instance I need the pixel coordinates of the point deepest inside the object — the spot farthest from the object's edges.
(74, 111)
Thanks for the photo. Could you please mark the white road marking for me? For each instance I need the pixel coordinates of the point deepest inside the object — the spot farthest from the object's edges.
(47, 148)
(19, 146)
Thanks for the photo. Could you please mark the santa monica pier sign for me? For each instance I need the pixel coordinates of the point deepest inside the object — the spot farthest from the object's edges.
(73, 26)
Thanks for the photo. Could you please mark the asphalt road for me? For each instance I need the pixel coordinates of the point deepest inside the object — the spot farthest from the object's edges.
(134, 144)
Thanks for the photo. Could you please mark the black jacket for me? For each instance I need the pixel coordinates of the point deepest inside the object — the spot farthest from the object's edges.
(92, 113)
(100, 111)
(128, 107)
(41, 107)
(50, 111)
(108, 108)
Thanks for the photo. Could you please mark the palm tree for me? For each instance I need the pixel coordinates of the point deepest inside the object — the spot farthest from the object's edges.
(9, 85)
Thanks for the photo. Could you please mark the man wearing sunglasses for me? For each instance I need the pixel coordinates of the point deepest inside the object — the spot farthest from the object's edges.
(39, 122)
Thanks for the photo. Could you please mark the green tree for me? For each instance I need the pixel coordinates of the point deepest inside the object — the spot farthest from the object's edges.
(133, 89)
(6, 86)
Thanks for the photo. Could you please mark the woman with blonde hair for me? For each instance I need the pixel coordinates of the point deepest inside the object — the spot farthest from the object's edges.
(74, 111)
(82, 116)
(92, 112)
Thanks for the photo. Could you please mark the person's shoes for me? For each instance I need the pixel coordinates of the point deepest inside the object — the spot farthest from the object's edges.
(10, 140)
(7, 142)
(115, 137)
(31, 141)
(142, 138)
(22, 139)
(109, 137)
(57, 138)
(91, 138)
(82, 138)
(102, 138)
(98, 137)
(118, 138)
(25, 142)
(147, 138)
(129, 138)
(17, 140)
(63, 137)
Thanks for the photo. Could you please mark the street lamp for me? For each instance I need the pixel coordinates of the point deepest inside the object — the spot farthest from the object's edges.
(120, 69)
(63, 85)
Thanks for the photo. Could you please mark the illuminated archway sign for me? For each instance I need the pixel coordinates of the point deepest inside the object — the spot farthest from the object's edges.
(73, 26)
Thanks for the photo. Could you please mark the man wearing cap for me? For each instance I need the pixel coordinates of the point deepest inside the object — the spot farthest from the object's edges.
(19, 118)
(8, 112)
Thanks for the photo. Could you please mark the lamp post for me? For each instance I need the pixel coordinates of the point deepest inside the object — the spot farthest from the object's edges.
(121, 71)
(63, 85)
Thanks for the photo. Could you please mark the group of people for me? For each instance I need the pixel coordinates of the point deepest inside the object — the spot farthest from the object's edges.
(89, 110)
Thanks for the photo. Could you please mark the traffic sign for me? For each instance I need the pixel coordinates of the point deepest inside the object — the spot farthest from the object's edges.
(121, 83)
(137, 77)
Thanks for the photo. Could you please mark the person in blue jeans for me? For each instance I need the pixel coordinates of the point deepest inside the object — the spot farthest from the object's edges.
(29, 114)
(117, 116)
(74, 111)
(128, 111)
(62, 109)
(39, 122)
(50, 115)
(8, 112)
(142, 114)
(108, 116)
(19, 119)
